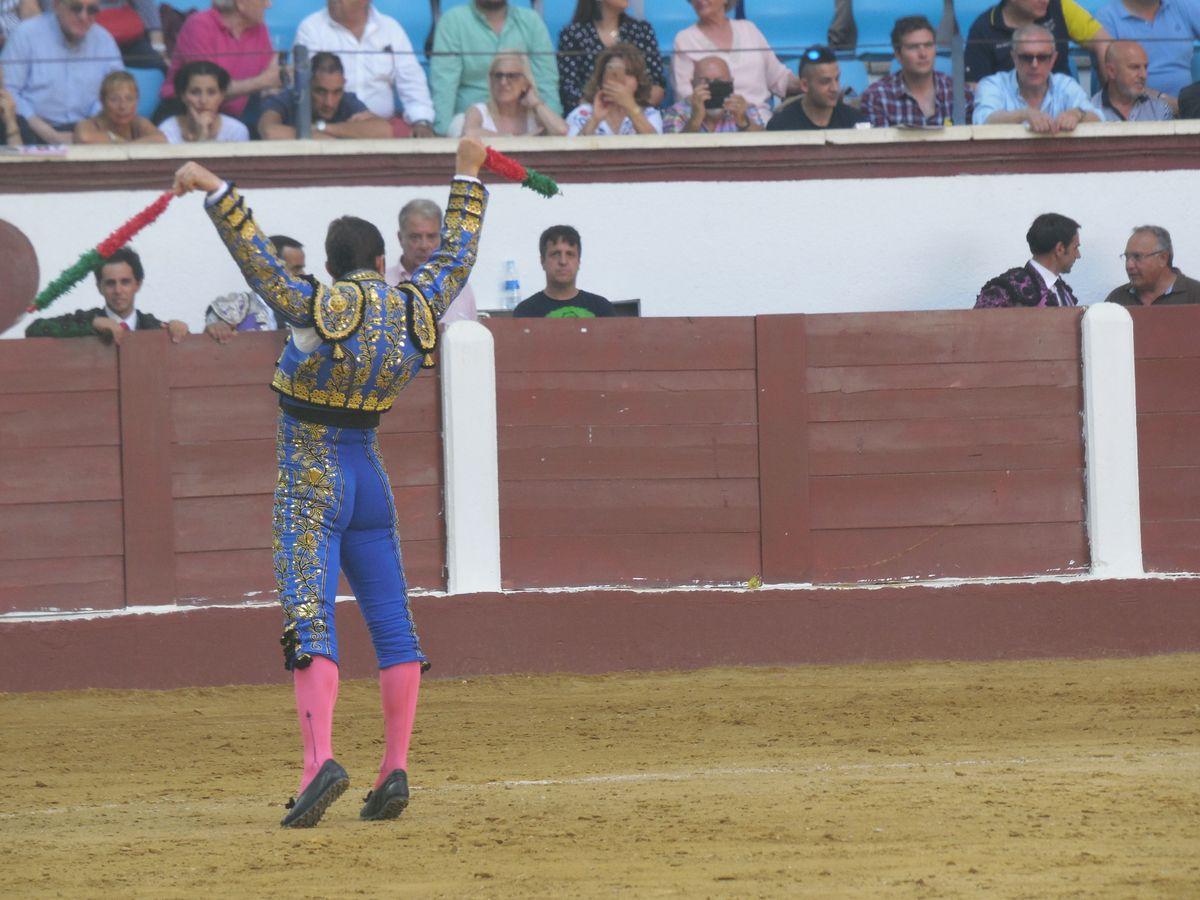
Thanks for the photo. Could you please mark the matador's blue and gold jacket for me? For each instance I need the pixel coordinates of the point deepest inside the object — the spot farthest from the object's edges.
(372, 337)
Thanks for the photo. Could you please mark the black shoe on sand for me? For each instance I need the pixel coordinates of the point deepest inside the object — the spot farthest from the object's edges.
(389, 799)
(307, 809)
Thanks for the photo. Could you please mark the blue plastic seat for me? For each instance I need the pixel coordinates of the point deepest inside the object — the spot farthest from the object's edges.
(854, 76)
(557, 14)
(282, 20)
(414, 16)
(790, 27)
(149, 82)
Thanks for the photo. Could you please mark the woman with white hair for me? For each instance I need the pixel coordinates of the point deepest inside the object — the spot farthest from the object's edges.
(514, 106)
(232, 35)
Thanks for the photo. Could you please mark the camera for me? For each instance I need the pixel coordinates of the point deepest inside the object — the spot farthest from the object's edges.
(719, 91)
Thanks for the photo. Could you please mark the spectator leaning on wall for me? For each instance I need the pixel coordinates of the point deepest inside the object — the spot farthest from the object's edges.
(118, 280)
(1033, 93)
(336, 112)
(420, 235)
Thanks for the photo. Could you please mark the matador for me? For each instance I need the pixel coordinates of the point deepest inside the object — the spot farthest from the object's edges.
(352, 348)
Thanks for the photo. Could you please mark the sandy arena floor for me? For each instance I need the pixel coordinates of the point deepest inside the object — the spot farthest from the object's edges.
(1045, 779)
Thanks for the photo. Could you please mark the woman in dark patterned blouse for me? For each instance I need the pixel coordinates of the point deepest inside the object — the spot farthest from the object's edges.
(597, 25)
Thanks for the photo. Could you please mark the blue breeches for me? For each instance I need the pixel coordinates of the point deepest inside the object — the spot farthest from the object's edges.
(334, 510)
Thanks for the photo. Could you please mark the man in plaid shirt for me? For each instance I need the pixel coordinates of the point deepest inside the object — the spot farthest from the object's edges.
(916, 95)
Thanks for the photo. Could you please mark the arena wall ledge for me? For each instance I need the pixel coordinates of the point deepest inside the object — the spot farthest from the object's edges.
(907, 486)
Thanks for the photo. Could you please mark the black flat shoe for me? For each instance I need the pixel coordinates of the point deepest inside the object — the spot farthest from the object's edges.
(389, 799)
(307, 809)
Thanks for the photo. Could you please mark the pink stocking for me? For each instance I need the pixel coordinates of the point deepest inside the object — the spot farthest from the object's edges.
(398, 687)
(316, 693)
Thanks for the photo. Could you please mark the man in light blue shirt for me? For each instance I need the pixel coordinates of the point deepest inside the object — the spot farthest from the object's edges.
(1166, 29)
(1033, 94)
(468, 37)
(53, 65)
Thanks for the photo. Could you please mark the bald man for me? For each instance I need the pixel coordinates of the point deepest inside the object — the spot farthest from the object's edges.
(1125, 97)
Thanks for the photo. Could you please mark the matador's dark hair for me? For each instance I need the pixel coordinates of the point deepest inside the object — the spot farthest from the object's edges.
(352, 243)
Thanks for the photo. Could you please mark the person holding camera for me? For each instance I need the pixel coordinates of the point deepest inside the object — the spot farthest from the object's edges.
(713, 106)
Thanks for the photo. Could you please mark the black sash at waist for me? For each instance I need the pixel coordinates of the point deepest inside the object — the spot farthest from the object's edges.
(334, 418)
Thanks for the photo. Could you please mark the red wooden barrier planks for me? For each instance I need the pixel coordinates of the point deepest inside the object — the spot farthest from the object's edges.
(145, 361)
(1168, 403)
(945, 444)
(783, 448)
(612, 451)
(623, 506)
(632, 559)
(49, 365)
(627, 451)
(623, 345)
(59, 474)
(61, 419)
(951, 551)
(49, 530)
(967, 336)
(62, 583)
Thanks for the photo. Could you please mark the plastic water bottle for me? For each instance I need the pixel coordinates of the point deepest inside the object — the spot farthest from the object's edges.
(512, 285)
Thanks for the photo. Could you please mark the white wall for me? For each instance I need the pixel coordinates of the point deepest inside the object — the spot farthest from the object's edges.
(683, 248)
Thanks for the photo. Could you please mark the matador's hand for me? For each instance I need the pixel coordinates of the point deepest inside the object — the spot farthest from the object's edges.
(191, 177)
(471, 154)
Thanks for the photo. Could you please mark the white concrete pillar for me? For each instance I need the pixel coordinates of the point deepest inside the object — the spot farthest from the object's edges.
(1114, 515)
(472, 470)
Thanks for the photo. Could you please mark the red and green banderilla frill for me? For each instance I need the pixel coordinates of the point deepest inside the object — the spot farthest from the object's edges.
(497, 162)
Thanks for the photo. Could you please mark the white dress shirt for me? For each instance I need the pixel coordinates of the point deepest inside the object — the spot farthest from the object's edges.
(373, 75)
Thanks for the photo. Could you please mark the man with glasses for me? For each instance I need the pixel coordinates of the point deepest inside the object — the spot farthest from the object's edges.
(916, 95)
(53, 65)
(465, 40)
(1153, 279)
(1033, 94)
(990, 39)
(1053, 242)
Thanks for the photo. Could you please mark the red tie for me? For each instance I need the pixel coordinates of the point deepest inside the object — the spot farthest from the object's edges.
(124, 326)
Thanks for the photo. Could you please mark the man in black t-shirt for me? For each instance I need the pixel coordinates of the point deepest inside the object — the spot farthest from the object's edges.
(561, 249)
(820, 105)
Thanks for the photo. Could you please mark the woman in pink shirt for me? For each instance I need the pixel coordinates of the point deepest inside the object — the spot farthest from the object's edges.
(233, 36)
(757, 71)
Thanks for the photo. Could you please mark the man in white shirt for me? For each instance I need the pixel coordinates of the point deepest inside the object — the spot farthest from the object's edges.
(420, 234)
(378, 57)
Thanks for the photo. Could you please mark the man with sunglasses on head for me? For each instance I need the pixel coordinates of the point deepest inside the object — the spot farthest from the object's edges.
(36, 55)
(1032, 93)
(1153, 279)
(820, 104)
